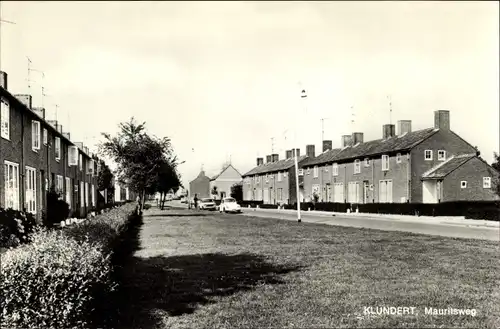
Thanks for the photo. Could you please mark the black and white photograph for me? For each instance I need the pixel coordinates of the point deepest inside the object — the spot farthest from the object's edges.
(249, 164)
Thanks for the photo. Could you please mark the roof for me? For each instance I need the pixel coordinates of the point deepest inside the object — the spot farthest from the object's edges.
(275, 166)
(222, 171)
(444, 169)
(371, 148)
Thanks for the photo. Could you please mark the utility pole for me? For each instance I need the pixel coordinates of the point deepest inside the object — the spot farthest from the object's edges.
(390, 109)
(303, 97)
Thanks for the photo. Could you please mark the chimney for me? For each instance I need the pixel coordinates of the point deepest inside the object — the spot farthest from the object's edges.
(27, 100)
(3, 80)
(53, 123)
(269, 158)
(67, 135)
(327, 145)
(295, 151)
(79, 145)
(260, 161)
(388, 131)
(404, 127)
(442, 119)
(40, 111)
(289, 154)
(357, 138)
(60, 128)
(346, 140)
(275, 157)
(86, 150)
(310, 151)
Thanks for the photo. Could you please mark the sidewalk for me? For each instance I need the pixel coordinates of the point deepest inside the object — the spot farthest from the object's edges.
(449, 220)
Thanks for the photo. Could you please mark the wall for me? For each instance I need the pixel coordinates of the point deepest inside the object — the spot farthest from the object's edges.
(225, 180)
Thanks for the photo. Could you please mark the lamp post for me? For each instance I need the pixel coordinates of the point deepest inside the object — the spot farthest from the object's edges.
(303, 97)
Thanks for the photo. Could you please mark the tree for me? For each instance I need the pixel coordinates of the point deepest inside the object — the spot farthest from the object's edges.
(237, 191)
(215, 191)
(496, 166)
(167, 180)
(139, 157)
(105, 179)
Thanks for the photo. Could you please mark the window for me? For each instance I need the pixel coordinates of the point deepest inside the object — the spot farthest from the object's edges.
(463, 184)
(279, 195)
(267, 178)
(80, 162)
(428, 155)
(4, 118)
(367, 162)
(68, 191)
(315, 171)
(338, 192)
(398, 158)
(93, 195)
(301, 172)
(31, 190)
(72, 156)
(82, 194)
(385, 162)
(45, 136)
(60, 185)
(279, 176)
(11, 179)
(353, 192)
(90, 167)
(385, 191)
(35, 135)
(335, 169)
(357, 166)
(441, 155)
(86, 193)
(308, 171)
(58, 148)
(486, 182)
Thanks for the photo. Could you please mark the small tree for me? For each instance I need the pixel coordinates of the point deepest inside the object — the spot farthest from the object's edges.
(496, 166)
(105, 180)
(168, 181)
(237, 191)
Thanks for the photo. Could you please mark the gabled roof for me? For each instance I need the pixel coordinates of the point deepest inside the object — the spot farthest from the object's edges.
(444, 169)
(371, 148)
(223, 170)
(275, 166)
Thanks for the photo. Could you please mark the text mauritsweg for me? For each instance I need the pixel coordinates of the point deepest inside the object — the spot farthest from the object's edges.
(404, 310)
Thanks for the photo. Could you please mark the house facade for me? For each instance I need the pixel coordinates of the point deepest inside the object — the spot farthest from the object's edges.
(36, 154)
(200, 186)
(273, 182)
(224, 180)
(398, 168)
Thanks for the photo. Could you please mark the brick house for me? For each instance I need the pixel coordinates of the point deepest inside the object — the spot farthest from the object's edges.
(200, 186)
(35, 154)
(273, 182)
(412, 166)
(224, 180)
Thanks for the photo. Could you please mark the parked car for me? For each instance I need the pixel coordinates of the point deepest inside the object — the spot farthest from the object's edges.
(229, 205)
(207, 204)
(184, 200)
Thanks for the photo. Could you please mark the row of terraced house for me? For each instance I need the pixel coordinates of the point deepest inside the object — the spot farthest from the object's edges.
(425, 166)
(36, 154)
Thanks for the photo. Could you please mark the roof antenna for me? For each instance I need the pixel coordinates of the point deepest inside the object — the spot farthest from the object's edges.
(272, 145)
(390, 109)
(352, 118)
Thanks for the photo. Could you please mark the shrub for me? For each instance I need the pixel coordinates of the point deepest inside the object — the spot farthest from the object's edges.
(52, 282)
(57, 209)
(269, 206)
(15, 227)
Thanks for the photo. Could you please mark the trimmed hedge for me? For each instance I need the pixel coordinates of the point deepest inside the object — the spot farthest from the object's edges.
(15, 227)
(252, 203)
(65, 278)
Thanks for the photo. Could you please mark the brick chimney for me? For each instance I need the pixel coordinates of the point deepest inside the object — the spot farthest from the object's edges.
(40, 111)
(310, 151)
(442, 119)
(276, 157)
(260, 161)
(3, 80)
(388, 131)
(295, 151)
(27, 100)
(357, 138)
(404, 127)
(346, 140)
(327, 145)
(269, 158)
(67, 135)
(53, 123)
(289, 154)
(60, 128)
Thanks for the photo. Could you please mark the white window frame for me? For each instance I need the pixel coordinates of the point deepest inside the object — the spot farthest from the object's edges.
(30, 192)
(86, 193)
(335, 169)
(315, 171)
(4, 119)
(45, 136)
(92, 193)
(72, 155)
(388, 198)
(301, 172)
(80, 161)
(35, 135)
(58, 148)
(367, 162)
(60, 185)
(486, 182)
(443, 157)
(428, 158)
(357, 166)
(68, 191)
(463, 184)
(280, 177)
(385, 162)
(398, 158)
(11, 187)
(82, 194)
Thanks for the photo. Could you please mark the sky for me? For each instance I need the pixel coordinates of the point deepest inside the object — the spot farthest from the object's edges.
(221, 79)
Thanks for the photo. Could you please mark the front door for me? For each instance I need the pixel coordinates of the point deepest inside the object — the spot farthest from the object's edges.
(328, 192)
(271, 199)
(366, 192)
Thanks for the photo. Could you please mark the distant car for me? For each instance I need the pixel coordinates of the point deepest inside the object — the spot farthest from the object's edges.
(229, 205)
(207, 204)
(184, 200)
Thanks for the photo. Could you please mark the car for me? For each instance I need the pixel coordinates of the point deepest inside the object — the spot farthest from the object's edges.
(207, 204)
(229, 205)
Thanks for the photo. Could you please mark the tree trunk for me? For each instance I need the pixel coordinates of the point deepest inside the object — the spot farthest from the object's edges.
(142, 198)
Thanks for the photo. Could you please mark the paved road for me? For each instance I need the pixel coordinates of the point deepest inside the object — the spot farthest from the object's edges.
(458, 230)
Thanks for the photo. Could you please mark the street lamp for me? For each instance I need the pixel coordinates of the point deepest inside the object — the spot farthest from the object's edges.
(303, 97)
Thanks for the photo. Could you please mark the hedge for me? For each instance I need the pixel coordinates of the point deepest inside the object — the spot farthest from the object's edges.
(65, 278)
(15, 227)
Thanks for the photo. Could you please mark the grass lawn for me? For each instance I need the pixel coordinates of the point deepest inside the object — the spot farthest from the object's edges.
(233, 271)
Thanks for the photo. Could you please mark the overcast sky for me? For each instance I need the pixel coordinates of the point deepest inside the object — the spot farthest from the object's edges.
(222, 78)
